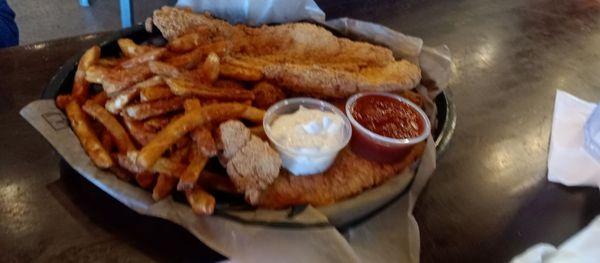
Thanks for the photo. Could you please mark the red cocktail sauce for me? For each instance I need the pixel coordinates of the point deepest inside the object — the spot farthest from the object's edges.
(388, 117)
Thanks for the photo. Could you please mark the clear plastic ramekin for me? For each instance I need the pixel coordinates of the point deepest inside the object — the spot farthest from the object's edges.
(375, 147)
(300, 161)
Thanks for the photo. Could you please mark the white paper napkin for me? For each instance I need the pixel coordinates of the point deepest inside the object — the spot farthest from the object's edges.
(581, 248)
(568, 162)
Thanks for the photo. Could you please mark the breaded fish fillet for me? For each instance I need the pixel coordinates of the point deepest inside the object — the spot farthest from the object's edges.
(302, 57)
(348, 176)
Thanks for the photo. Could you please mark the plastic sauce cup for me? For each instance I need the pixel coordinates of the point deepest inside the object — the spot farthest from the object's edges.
(375, 147)
(302, 161)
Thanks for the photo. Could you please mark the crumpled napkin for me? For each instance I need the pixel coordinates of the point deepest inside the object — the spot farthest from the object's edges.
(582, 248)
(568, 161)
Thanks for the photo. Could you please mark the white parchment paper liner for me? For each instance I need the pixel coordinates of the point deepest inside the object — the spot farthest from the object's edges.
(390, 236)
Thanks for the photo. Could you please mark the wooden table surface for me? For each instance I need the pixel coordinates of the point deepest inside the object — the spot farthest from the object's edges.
(488, 200)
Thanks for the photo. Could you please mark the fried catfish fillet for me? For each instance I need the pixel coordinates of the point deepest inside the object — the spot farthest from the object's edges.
(302, 57)
(347, 177)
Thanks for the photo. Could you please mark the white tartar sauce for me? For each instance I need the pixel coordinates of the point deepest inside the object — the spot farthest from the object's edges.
(308, 139)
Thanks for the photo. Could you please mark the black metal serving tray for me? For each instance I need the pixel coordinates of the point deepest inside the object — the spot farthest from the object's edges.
(62, 81)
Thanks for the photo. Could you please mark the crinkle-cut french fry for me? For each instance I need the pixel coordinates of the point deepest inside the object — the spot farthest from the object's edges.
(146, 110)
(80, 84)
(86, 136)
(240, 73)
(153, 54)
(114, 80)
(254, 114)
(183, 87)
(210, 68)
(136, 128)
(183, 125)
(164, 69)
(111, 124)
(202, 202)
(130, 48)
(155, 93)
(164, 186)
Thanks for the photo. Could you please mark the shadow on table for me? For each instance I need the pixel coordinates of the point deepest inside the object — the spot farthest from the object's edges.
(157, 238)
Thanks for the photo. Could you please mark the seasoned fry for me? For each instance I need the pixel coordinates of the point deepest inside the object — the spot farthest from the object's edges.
(116, 79)
(111, 124)
(163, 165)
(202, 203)
(185, 42)
(107, 140)
(240, 73)
(86, 136)
(210, 68)
(164, 69)
(192, 59)
(155, 93)
(100, 98)
(108, 62)
(130, 48)
(144, 179)
(188, 60)
(62, 101)
(122, 98)
(253, 114)
(80, 84)
(121, 173)
(204, 140)
(182, 87)
(156, 123)
(137, 130)
(192, 172)
(146, 110)
(186, 123)
(191, 104)
(153, 54)
(164, 186)
(228, 84)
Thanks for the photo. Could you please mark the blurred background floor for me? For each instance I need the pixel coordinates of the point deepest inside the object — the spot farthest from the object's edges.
(50, 19)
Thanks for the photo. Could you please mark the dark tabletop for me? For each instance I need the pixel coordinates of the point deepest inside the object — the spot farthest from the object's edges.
(488, 200)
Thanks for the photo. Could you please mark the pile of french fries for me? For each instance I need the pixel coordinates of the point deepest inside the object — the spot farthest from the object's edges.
(154, 120)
